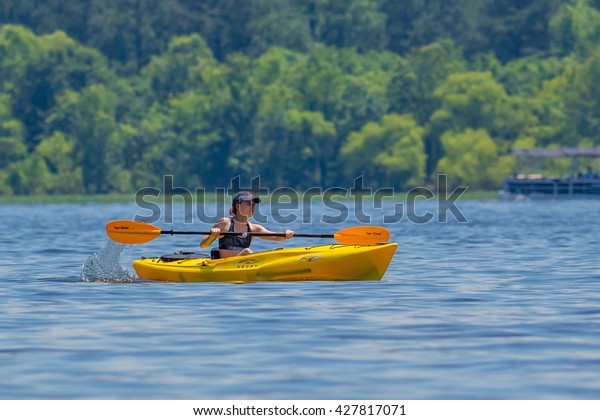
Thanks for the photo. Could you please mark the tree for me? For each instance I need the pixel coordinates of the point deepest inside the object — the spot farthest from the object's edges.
(224, 24)
(130, 32)
(18, 48)
(270, 136)
(12, 147)
(575, 29)
(387, 153)
(526, 76)
(87, 120)
(475, 100)
(472, 159)
(29, 176)
(347, 88)
(412, 24)
(40, 69)
(63, 175)
(582, 102)
(514, 28)
(355, 24)
(309, 149)
(411, 89)
(48, 16)
(186, 137)
(245, 82)
(188, 64)
(549, 108)
(277, 23)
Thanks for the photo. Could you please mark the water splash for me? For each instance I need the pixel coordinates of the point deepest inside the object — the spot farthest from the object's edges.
(104, 266)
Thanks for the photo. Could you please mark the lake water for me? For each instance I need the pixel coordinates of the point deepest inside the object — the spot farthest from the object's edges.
(506, 306)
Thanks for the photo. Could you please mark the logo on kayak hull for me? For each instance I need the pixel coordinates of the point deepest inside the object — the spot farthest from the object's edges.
(310, 258)
(248, 263)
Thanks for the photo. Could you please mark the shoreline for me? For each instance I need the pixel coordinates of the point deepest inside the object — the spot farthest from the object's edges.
(118, 198)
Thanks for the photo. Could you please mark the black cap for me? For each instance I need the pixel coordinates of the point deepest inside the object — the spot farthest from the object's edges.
(245, 196)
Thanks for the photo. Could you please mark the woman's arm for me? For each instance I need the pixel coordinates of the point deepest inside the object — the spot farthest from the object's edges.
(215, 231)
(261, 229)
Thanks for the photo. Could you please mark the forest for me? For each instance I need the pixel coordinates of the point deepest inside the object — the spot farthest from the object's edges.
(103, 96)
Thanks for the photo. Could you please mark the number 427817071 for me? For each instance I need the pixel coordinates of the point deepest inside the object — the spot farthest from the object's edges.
(370, 410)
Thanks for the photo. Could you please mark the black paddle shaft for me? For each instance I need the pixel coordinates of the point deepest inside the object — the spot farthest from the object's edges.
(282, 235)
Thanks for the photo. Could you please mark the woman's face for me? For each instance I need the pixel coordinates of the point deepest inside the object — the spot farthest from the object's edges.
(246, 208)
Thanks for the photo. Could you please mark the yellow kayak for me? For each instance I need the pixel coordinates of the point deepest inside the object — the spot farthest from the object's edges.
(323, 262)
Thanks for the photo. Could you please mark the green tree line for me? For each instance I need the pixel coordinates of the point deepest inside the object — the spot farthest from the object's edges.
(110, 96)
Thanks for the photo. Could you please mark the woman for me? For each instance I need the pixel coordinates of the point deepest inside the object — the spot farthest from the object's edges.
(242, 208)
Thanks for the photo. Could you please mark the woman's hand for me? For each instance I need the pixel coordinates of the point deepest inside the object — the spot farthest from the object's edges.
(208, 239)
(289, 233)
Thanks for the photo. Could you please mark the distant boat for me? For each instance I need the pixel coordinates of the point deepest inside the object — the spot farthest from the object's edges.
(523, 186)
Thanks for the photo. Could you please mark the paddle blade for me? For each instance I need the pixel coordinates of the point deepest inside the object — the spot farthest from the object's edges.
(362, 235)
(130, 232)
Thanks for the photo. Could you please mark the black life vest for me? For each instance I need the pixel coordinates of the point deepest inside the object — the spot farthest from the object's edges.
(233, 242)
